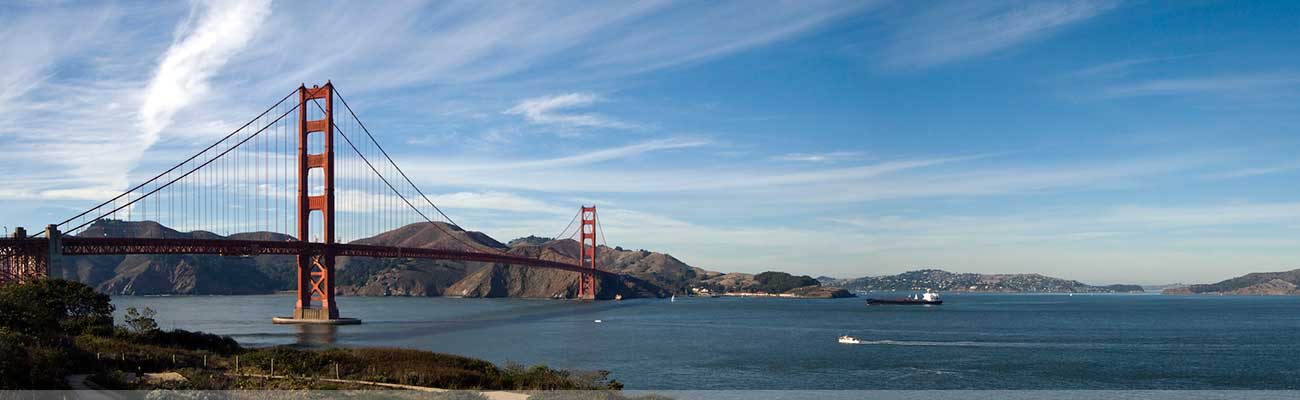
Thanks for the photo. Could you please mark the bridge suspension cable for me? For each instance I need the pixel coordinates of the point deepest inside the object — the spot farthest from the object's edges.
(225, 157)
(403, 197)
(566, 227)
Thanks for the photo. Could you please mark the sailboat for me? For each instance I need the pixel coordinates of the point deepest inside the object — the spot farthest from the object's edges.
(673, 299)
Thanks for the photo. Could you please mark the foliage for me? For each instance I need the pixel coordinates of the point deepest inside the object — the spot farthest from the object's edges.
(591, 395)
(780, 282)
(180, 339)
(51, 328)
(457, 395)
(294, 362)
(417, 368)
(183, 339)
(27, 365)
(37, 319)
(141, 321)
(52, 309)
(541, 377)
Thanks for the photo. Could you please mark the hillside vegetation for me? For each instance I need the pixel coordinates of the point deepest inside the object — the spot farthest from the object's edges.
(935, 279)
(1258, 283)
(50, 329)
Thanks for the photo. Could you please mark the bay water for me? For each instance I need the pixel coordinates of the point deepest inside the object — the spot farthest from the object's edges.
(973, 341)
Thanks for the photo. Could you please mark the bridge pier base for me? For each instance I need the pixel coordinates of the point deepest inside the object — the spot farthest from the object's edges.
(308, 321)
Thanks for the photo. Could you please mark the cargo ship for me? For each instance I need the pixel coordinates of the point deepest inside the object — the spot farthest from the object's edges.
(927, 299)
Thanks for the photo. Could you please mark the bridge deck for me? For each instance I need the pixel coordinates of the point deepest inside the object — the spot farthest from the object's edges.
(80, 246)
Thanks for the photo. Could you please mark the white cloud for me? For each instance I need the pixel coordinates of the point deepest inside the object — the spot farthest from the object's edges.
(496, 201)
(830, 157)
(1256, 171)
(430, 139)
(550, 110)
(700, 31)
(1213, 84)
(959, 30)
(426, 167)
(199, 54)
(1212, 215)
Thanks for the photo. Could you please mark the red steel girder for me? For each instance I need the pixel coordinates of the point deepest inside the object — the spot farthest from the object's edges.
(83, 246)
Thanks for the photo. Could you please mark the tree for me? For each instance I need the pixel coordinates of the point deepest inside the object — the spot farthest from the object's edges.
(141, 321)
(780, 282)
(36, 320)
(49, 309)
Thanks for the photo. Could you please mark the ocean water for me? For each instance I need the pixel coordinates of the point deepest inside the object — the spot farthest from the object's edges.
(973, 341)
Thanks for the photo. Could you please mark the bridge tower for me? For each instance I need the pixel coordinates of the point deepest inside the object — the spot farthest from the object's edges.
(587, 252)
(315, 288)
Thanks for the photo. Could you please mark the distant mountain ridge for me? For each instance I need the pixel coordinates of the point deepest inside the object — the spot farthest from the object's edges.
(648, 274)
(936, 279)
(1258, 283)
(645, 273)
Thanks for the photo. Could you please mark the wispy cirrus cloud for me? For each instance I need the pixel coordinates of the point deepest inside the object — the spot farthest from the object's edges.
(118, 99)
(541, 164)
(959, 30)
(828, 157)
(557, 110)
(1256, 171)
(700, 31)
(223, 30)
(1202, 85)
(222, 54)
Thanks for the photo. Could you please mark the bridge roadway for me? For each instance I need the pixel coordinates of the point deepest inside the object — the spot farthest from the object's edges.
(82, 246)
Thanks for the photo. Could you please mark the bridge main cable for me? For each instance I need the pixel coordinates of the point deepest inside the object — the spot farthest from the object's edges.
(390, 159)
(408, 179)
(173, 168)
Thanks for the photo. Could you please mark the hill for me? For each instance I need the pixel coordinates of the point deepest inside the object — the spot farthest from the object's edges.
(941, 280)
(1258, 283)
(649, 273)
(170, 274)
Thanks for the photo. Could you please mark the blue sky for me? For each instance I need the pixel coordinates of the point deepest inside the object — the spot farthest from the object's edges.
(1147, 142)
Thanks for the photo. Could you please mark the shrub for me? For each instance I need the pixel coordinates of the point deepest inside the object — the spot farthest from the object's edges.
(141, 321)
(183, 339)
(50, 309)
(27, 365)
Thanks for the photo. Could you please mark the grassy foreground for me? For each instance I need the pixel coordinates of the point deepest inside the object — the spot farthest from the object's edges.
(52, 329)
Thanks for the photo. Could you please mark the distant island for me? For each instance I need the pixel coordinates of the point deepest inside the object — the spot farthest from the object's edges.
(944, 281)
(1258, 283)
(767, 284)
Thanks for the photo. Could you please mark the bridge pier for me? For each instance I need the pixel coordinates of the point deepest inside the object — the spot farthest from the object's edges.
(54, 256)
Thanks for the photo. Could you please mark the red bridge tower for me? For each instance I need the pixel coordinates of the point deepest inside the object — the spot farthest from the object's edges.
(587, 253)
(315, 302)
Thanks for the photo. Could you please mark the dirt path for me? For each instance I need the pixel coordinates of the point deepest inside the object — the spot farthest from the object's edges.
(89, 390)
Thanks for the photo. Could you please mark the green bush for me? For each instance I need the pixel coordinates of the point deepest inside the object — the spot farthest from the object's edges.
(780, 282)
(294, 362)
(591, 395)
(183, 339)
(24, 364)
(53, 309)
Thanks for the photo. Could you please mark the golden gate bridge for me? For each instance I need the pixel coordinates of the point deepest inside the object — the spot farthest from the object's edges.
(299, 179)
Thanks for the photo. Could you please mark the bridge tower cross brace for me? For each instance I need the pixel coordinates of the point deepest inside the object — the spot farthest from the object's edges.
(316, 265)
(587, 252)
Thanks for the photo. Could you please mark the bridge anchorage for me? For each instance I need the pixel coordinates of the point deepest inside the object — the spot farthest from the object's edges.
(290, 183)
